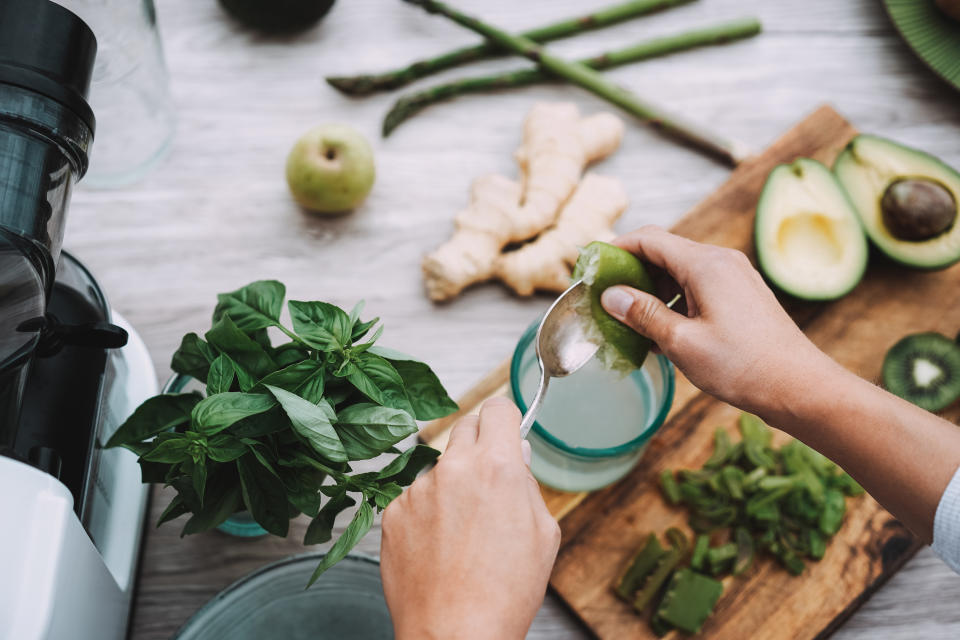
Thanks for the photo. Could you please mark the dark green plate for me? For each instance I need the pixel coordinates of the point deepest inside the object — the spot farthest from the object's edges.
(931, 34)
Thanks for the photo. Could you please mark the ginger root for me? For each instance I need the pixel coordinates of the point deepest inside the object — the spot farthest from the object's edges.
(545, 264)
(557, 145)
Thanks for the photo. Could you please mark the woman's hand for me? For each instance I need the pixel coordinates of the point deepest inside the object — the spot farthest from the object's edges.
(467, 550)
(737, 342)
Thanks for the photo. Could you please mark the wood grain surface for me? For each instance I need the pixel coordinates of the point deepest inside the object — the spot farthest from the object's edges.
(216, 213)
(602, 530)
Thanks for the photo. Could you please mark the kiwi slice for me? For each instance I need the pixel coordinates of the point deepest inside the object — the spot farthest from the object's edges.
(602, 265)
(924, 368)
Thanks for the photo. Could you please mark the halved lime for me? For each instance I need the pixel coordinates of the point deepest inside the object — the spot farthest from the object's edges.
(602, 265)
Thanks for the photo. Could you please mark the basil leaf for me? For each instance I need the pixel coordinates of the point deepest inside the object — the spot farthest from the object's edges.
(289, 353)
(193, 357)
(311, 422)
(244, 378)
(255, 306)
(156, 415)
(255, 447)
(367, 430)
(303, 488)
(153, 471)
(215, 413)
(360, 329)
(304, 379)
(200, 477)
(229, 339)
(221, 500)
(386, 494)
(320, 324)
(175, 509)
(357, 528)
(426, 394)
(224, 447)
(404, 468)
(220, 376)
(169, 451)
(321, 527)
(263, 495)
(262, 424)
(376, 378)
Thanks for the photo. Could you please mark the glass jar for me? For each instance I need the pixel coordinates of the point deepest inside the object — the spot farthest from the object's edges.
(595, 424)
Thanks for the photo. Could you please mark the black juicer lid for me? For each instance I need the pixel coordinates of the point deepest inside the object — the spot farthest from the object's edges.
(47, 49)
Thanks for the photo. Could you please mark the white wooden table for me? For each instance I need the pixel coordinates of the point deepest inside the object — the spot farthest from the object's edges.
(216, 213)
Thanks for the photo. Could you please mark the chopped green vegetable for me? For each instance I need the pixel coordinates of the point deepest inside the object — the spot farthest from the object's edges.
(689, 601)
(669, 485)
(700, 551)
(640, 567)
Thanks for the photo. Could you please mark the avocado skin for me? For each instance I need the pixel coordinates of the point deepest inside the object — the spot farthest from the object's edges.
(922, 165)
(278, 16)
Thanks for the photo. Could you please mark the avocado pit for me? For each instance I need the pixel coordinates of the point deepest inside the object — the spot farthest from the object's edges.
(917, 209)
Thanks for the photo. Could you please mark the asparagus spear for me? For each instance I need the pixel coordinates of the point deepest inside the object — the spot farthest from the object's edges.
(409, 105)
(727, 150)
(366, 84)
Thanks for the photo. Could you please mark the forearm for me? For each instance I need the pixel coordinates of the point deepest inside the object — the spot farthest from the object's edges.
(902, 455)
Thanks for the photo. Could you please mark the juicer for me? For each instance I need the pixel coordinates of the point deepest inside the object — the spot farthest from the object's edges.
(71, 513)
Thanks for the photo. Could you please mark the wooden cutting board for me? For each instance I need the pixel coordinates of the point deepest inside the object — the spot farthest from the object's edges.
(601, 530)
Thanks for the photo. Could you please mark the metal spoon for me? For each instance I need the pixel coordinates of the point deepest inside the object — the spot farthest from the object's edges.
(562, 345)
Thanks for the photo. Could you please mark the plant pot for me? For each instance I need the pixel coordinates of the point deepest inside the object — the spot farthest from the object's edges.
(242, 525)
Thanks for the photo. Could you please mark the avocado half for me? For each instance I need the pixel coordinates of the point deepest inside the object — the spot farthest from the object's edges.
(869, 168)
(808, 238)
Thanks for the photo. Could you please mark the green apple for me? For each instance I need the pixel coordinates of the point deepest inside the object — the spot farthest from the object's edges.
(330, 169)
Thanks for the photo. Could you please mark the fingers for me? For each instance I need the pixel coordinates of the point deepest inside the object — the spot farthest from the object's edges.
(644, 313)
(525, 452)
(662, 248)
(499, 425)
(463, 435)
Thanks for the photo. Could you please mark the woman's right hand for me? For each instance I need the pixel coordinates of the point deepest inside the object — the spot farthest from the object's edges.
(737, 342)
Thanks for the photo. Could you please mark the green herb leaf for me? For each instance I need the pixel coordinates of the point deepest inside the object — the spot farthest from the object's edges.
(215, 413)
(385, 494)
(220, 376)
(193, 357)
(320, 324)
(170, 451)
(224, 447)
(156, 415)
(255, 306)
(367, 430)
(357, 528)
(247, 352)
(404, 468)
(175, 509)
(303, 488)
(263, 495)
(200, 477)
(304, 379)
(312, 422)
(221, 499)
(289, 353)
(376, 378)
(321, 527)
(427, 396)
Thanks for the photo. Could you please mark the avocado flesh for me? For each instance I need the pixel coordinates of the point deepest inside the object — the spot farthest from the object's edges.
(867, 167)
(808, 238)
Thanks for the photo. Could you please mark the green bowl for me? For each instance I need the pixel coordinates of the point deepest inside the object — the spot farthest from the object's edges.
(346, 602)
(932, 35)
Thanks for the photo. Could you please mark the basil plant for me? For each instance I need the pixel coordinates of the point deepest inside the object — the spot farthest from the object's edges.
(279, 425)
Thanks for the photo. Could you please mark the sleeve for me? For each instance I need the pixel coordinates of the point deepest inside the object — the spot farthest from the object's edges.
(946, 524)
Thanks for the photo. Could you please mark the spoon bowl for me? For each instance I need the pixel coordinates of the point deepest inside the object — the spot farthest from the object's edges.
(562, 345)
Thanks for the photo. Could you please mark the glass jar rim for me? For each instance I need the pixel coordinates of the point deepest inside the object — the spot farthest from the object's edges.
(666, 369)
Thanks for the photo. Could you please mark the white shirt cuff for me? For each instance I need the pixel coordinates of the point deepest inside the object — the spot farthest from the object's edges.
(946, 524)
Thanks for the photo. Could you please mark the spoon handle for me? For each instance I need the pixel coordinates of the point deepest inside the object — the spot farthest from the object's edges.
(531, 415)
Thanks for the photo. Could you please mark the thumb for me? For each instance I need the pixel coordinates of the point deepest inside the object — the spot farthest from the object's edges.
(644, 313)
